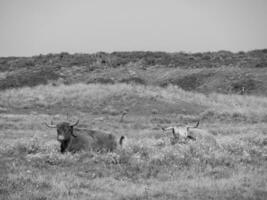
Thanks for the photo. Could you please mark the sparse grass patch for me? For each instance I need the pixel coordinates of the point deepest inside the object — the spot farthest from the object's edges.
(221, 107)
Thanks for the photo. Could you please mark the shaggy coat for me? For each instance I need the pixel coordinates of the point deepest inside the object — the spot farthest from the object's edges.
(193, 133)
(70, 142)
(181, 132)
(84, 139)
(103, 141)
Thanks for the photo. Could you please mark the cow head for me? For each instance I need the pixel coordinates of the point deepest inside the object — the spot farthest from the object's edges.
(64, 133)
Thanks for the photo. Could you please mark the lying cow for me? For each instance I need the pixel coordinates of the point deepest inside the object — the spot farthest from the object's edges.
(89, 139)
(191, 132)
(181, 132)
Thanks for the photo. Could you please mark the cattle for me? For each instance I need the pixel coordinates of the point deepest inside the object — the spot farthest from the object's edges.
(85, 139)
(193, 133)
(182, 132)
(104, 141)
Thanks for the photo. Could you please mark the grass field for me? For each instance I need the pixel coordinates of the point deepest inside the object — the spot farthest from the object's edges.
(148, 166)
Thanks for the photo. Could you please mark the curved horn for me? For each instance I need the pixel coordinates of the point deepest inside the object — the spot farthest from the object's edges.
(75, 124)
(50, 125)
(168, 128)
(196, 124)
(193, 126)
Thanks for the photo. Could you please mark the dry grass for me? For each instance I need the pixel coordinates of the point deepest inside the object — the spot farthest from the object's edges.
(89, 96)
(148, 166)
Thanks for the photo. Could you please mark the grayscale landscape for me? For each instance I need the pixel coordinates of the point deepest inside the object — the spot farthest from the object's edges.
(133, 100)
(229, 100)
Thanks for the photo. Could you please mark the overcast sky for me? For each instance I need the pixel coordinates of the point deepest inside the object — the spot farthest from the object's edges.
(32, 27)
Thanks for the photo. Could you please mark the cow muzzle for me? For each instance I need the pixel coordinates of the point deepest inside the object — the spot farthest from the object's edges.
(60, 138)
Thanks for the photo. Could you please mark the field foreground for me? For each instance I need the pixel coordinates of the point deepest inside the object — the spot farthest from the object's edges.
(148, 166)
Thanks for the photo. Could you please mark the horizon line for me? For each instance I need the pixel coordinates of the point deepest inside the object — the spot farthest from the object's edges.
(135, 51)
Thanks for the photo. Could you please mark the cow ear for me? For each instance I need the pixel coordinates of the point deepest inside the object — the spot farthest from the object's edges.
(121, 140)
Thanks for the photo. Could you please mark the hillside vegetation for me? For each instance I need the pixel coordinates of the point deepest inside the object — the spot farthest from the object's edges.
(225, 91)
(221, 72)
(149, 166)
